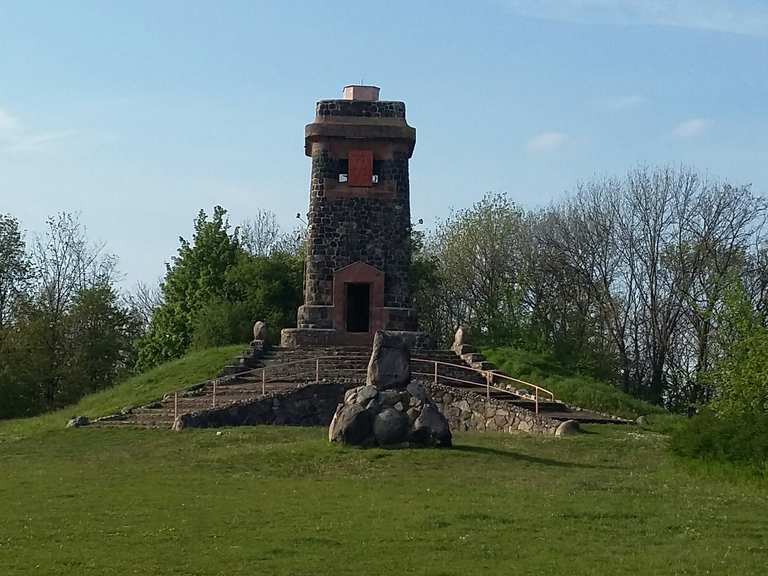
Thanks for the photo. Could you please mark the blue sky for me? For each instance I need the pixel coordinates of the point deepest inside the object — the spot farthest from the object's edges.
(139, 114)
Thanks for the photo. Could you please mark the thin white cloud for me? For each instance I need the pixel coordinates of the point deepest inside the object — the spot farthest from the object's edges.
(747, 17)
(35, 142)
(15, 137)
(627, 102)
(691, 128)
(547, 142)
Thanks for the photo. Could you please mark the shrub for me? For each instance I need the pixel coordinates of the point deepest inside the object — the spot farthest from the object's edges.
(221, 323)
(708, 436)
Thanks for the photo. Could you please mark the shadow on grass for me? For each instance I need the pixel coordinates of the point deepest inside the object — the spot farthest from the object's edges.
(526, 458)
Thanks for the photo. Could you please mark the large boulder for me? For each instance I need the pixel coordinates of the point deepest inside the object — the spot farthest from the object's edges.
(431, 427)
(390, 364)
(369, 417)
(351, 424)
(78, 422)
(567, 428)
(390, 426)
(260, 331)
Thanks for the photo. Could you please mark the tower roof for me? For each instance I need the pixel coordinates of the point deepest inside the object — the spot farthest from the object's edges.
(361, 92)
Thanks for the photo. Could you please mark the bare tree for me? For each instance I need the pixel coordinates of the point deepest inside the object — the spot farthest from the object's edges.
(144, 300)
(65, 263)
(14, 267)
(261, 234)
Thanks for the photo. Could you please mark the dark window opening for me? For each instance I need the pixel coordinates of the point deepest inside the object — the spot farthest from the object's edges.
(343, 169)
(358, 307)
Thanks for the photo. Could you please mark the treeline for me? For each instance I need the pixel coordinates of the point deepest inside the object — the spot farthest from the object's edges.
(63, 330)
(66, 328)
(629, 279)
(656, 282)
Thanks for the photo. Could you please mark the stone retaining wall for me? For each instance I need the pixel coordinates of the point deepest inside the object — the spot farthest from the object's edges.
(315, 404)
(471, 411)
(311, 405)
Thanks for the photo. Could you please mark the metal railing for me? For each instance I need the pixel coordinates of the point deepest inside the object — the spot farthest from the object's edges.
(489, 377)
(310, 370)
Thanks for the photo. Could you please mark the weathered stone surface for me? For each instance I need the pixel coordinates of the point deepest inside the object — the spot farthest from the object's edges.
(417, 390)
(389, 397)
(260, 331)
(567, 428)
(395, 416)
(365, 394)
(468, 410)
(78, 422)
(431, 427)
(460, 338)
(351, 424)
(390, 364)
(390, 427)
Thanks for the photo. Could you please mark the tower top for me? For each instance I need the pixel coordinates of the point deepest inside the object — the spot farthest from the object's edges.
(358, 92)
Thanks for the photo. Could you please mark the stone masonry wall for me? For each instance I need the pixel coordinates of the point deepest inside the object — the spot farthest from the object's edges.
(471, 411)
(314, 405)
(360, 108)
(311, 405)
(371, 229)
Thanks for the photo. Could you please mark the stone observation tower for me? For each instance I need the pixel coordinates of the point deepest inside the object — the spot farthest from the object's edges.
(358, 253)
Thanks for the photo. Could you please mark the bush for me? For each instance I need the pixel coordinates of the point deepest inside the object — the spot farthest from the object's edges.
(742, 440)
(221, 323)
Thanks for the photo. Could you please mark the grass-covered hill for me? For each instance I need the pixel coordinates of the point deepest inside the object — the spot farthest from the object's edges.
(575, 389)
(151, 385)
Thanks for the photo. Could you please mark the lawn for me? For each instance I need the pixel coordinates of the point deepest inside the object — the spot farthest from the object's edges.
(270, 500)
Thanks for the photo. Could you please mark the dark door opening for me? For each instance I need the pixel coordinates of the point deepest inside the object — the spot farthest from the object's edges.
(358, 307)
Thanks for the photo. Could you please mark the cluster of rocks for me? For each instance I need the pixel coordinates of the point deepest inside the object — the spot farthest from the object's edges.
(389, 410)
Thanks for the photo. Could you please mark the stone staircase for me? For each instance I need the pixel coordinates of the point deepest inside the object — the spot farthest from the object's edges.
(274, 370)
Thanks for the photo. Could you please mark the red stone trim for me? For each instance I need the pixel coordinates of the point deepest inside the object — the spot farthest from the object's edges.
(358, 273)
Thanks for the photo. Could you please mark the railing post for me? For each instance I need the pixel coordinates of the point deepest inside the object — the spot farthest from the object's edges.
(263, 381)
(213, 401)
(488, 386)
(537, 401)
(175, 406)
(435, 371)
(317, 371)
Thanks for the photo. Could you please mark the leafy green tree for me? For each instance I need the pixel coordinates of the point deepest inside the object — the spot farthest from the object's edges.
(195, 277)
(100, 333)
(740, 378)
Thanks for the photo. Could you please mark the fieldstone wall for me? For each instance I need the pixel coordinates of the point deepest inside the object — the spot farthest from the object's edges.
(311, 405)
(471, 411)
(315, 405)
(360, 108)
(370, 229)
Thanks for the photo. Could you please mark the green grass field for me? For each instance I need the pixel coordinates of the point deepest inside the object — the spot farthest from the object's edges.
(271, 500)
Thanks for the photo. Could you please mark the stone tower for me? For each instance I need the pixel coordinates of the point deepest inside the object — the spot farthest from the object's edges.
(358, 254)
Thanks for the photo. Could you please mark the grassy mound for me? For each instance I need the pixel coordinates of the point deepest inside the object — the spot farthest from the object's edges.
(574, 389)
(192, 368)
